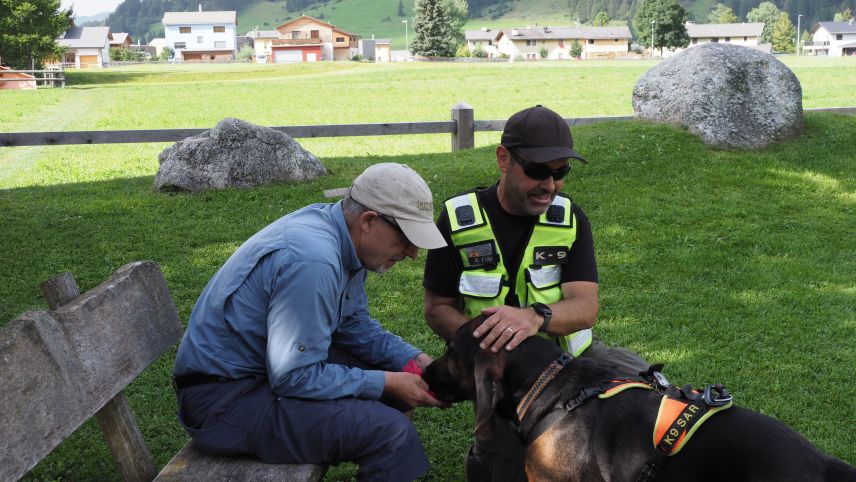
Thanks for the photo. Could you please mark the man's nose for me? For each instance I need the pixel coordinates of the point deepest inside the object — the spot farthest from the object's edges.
(548, 184)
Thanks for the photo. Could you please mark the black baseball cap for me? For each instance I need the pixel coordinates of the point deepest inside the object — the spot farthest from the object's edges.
(540, 134)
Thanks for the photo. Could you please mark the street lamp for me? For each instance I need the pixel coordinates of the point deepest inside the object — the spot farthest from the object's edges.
(653, 22)
(798, 33)
(405, 34)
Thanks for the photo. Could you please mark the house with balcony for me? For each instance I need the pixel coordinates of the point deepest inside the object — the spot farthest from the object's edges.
(596, 42)
(832, 39)
(482, 39)
(201, 36)
(307, 39)
(86, 46)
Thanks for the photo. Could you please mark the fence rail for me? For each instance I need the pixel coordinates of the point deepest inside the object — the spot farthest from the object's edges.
(52, 77)
(462, 129)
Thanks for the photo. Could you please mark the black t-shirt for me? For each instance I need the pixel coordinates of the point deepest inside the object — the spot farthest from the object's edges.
(443, 266)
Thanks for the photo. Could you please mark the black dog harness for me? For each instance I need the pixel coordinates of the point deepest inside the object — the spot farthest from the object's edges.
(681, 413)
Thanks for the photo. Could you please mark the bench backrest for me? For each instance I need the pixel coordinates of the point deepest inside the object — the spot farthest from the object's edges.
(57, 368)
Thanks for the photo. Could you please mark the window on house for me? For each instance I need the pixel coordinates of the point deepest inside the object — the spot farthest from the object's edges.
(200, 39)
(530, 56)
(839, 37)
(220, 44)
(183, 29)
(295, 34)
(530, 43)
(715, 39)
(616, 40)
(695, 41)
(591, 41)
(219, 29)
(340, 39)
(728, 39)
(314, 33)
(180, 45)
(490, 42)
(745, 39)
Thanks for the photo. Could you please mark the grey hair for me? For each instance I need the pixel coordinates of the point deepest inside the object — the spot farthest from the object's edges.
(352, 208)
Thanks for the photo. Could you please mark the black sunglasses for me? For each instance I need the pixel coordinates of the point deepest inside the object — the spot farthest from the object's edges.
(539, 172)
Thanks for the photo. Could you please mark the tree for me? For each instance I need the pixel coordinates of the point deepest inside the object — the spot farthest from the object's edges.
(844, 16)
(601, 19)
(669, 20)
(576, 50)
(784, 34)
(722, 14)
(166, 54)
(28, 31)
(457, 12)
(768, 13)
(433, 35)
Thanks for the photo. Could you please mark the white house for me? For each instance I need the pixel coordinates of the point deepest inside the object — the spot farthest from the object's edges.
(159, 44)
(201, 36)
(743, 34)
(86, 46)
(833, 39)
(482, 39)
(596, 42)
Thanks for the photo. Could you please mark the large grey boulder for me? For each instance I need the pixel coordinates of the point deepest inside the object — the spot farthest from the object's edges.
(235, 153)
(730, 96)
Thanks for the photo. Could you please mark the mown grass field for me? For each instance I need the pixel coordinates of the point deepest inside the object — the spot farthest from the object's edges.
(729, 267)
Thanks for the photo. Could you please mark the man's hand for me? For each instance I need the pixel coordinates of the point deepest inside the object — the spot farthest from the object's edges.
(410, 389)
(507, 327)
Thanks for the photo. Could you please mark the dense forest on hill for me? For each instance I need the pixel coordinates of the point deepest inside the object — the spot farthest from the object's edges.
(141, 18)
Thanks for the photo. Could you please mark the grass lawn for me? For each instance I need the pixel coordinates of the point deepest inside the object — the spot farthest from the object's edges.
(729, 267)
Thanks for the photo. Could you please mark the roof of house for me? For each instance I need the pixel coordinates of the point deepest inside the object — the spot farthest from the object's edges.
(84, 37)
(709, 30)
(481, 34)
(262, 34)
(319, 22)
(836, 27)
(119, 37)
(560, 33)
(184, 18)
(381, 41)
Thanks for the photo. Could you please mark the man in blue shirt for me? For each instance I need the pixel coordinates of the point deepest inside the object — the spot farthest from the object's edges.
(281, 358)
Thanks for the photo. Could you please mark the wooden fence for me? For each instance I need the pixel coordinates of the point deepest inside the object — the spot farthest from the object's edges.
(462, 128)
(49, 77)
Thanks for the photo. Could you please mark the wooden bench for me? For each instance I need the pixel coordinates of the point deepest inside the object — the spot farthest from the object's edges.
(61, 367)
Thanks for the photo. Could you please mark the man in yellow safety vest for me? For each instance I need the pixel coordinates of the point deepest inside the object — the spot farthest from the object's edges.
(521, 252)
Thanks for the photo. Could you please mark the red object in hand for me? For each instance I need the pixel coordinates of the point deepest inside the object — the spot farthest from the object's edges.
(412, 367)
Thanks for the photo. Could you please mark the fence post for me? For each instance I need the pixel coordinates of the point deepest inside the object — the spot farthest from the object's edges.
(464, 135)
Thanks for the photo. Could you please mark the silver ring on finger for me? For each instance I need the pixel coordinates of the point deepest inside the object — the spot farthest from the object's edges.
(508, 329)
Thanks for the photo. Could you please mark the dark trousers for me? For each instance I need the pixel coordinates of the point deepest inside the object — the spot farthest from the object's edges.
(501, 458)
(246, 417)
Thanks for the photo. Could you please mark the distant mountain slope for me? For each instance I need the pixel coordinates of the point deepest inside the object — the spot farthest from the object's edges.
(142, 18)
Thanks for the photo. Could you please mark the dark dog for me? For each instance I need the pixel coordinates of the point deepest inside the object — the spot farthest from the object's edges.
(611, 439)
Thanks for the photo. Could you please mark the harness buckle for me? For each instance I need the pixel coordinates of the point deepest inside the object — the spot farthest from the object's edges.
(718, 399)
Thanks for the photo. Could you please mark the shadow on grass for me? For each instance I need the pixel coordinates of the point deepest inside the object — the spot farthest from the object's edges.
(730, 267)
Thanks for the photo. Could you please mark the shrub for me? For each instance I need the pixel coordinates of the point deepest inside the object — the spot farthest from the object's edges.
(543, 52)
(576, 50)
(479, 52)
(246, 53)
(463, 51)
(357, 58)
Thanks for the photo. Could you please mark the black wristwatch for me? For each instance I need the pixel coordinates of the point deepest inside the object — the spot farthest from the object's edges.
(544, 311)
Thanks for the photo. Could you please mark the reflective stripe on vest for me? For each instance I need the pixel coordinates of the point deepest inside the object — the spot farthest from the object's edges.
(487, 283)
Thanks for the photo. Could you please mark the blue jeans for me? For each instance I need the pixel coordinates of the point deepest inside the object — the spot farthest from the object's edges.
(246, 417)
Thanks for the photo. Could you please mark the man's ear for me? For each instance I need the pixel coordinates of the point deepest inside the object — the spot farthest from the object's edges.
(367, 218)
(489, 368)
(503, 159)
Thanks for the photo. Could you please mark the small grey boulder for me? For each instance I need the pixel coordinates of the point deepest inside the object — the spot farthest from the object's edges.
(732, 97)
(235, 153)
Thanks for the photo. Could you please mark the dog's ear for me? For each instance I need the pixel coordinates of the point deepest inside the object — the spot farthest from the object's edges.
(489, 369)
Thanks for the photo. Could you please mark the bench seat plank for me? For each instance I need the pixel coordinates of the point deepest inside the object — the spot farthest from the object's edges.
(194, 465)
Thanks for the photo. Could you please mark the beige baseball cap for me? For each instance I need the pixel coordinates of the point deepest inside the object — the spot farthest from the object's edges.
(400, 192)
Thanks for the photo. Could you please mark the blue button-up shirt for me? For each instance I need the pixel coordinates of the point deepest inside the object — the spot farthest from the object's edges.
(278, 304)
